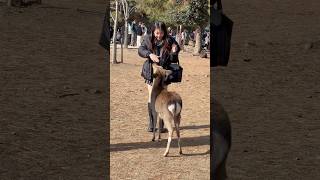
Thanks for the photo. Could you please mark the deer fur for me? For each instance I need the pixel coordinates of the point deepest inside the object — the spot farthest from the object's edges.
(167, 105)
(222, 139)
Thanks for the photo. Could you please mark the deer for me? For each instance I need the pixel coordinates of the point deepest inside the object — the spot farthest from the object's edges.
(222, 140)
(167, 106)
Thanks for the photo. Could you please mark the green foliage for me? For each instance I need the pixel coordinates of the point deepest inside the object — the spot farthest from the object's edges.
(154, 9)
(197, 13)
(192, 14)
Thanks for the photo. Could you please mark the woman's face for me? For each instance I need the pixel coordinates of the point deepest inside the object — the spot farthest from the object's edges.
(158, 34)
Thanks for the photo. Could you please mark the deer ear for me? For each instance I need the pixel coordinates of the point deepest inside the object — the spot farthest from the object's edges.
(168, 72)
(155, 66)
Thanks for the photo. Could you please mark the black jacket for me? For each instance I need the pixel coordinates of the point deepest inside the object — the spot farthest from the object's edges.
(166, 58)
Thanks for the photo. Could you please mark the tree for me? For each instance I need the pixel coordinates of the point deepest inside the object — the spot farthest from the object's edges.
(114, 56)
(196, 15)
(154, 9)
(125, 9)
(188, 13)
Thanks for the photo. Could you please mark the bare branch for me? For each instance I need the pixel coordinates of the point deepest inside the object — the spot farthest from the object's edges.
(132, 9)
(112, 16)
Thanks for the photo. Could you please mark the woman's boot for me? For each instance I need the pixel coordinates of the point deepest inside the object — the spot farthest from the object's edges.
(151, 121)
(162, 129)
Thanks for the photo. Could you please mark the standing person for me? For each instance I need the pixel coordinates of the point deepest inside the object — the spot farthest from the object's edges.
(130, 32)
(118, 38)
(173, 33)
(158, 47)
(134, 34)
(111, 33)
(139, 34)
(170, 31)
(183, 39)
(144, 31)
(207, 40)
(192, 37)
(178, 38)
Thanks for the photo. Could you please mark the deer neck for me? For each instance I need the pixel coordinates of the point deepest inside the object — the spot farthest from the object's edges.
(157, 88)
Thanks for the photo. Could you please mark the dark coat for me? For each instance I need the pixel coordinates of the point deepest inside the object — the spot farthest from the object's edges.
(139, 30)
(166, 57)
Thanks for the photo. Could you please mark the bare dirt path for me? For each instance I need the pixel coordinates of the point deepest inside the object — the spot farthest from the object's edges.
(133, 154)
(271, 89)
(52, 121)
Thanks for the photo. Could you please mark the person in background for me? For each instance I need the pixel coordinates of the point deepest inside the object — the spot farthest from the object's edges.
(111, 34)
(178, 38)
(144, 31)
(139, 34)
(130, 32)
(118, 38)
(134, 34)
(183, 39)
(207, 40)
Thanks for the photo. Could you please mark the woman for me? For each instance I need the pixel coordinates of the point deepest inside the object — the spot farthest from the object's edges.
(160, 48)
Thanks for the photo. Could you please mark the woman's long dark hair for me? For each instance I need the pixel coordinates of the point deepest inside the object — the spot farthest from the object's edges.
(162, 27)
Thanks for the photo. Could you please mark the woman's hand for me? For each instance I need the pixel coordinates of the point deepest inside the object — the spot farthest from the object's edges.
(154, 58)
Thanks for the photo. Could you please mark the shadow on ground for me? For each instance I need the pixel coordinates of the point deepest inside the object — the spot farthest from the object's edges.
(195, 127)
(190, 141)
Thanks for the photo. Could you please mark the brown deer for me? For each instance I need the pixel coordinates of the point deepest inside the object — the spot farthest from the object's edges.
(167, 105)
(221, 139)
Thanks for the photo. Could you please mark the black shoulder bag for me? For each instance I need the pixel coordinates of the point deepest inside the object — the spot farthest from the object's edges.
(221, 36)
(176, 75)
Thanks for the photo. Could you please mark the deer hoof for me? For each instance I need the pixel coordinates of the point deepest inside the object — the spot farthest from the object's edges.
(152, 139)
(180, 152)
(165, 154)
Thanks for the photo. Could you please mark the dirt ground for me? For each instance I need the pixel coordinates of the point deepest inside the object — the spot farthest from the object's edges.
(271, 89)
(133, 154)
(53, 82)
(53, 94)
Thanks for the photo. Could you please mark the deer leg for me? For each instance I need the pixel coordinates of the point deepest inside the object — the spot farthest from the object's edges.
(170, 129)
(154, 126)
(159, 130)
(177, 123)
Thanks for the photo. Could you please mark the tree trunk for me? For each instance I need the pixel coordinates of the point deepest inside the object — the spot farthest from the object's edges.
(126, 34)
(114, 56)
(197, 47)
(121, 52)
